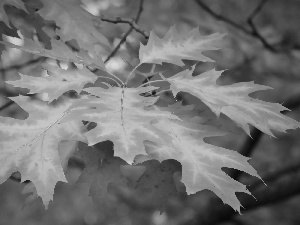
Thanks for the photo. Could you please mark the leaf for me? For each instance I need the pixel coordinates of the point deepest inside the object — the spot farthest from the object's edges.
(58, 82)
(31, 146)
(59, 51)
(182, 111)
(233, 101)
(17, 3)
(12, 32)
(65, 149)
(202, 162)
(158, 178)
(122, 117)
(174, 47)
(74, 22)
(101, 170)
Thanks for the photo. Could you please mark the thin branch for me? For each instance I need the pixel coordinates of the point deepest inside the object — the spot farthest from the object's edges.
(271, 176)
(129, 21)
(253, 32)
(123, 39)
(150, 82)
(278, 191)
(257, 10)
(247, 148)
(220, 17)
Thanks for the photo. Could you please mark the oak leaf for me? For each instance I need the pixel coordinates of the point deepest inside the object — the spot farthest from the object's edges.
(122, 117)
(17, 3)
(31, 146)
(57, 82)
(233, 101)
(201, 162)
(75, 23)
(101, 170)
(157, 185)
(174, 47)
(59, 51)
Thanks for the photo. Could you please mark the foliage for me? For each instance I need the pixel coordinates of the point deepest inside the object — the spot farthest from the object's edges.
(125, 111)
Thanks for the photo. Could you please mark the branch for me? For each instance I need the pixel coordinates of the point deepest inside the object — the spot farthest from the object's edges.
(123, 39)
(257, 10)
(253, 32)
(279, 190)
(271, 176)
(220, 17)
(247, 149)
(129, 21)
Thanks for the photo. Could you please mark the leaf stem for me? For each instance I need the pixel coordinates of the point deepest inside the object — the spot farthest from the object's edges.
(110, 79)
(153, 68)
(117, 78)
(129, 76)
(158, 93)
(153, 81)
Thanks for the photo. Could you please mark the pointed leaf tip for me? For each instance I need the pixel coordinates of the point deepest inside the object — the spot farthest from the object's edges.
(233, 101)
(175, 47)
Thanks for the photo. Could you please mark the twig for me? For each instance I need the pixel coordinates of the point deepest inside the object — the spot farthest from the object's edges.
(129, 21)
(271, 176)
(123, 39)
(247, 149)
(257, 10)
(220, 17)
(279, 191)
(253, 32)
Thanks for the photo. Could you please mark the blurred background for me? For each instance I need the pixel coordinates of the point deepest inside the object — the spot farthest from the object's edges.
(262, 45)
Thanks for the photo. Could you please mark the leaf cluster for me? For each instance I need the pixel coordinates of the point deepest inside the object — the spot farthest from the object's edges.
(126, 112)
